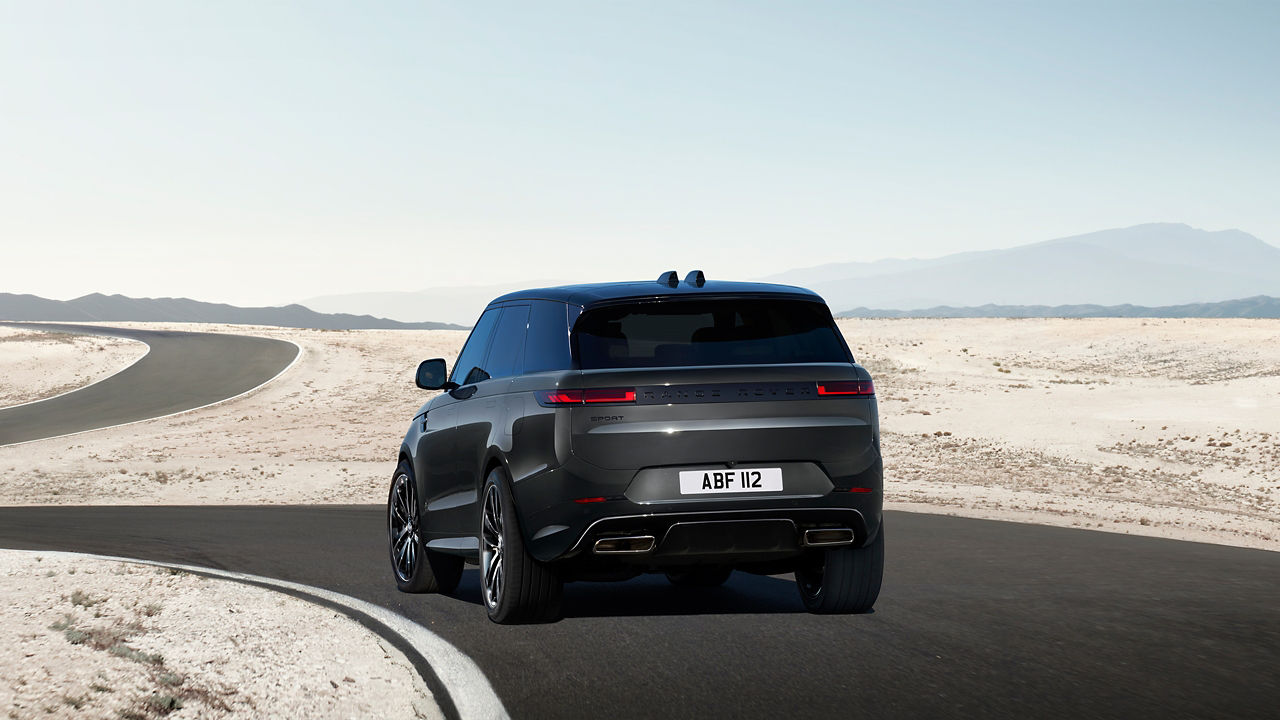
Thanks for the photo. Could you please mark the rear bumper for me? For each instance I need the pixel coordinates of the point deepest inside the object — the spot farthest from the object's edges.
(726, 530)
(727, 537)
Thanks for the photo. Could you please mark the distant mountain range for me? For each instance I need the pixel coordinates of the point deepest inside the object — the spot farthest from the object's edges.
(99, 307)
(1152, 266)
(1159, 264)
(1153, 270)
(1260, 306)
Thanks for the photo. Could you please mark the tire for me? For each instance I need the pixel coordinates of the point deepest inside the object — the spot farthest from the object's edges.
(515, 587)
(847, 580)
(415, 568)
(700, 577)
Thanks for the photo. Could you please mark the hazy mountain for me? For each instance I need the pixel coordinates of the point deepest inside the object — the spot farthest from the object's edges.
(450, 304)
(1154, 265)
(99, 307)
(1260, 306)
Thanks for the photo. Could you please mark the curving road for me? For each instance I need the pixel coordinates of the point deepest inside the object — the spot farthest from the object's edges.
(977, 618)
(182, 371)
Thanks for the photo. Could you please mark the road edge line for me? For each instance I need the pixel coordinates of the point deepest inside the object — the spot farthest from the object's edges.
(460, 688)
(144, 355)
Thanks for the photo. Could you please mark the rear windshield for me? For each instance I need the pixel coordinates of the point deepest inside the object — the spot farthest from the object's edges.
(678, 333)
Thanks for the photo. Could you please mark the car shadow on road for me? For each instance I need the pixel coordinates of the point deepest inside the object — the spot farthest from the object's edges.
(654, 595)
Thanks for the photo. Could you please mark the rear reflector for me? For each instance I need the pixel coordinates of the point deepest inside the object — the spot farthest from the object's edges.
(584, 501)
(855, 490)
(550, 398)
(846, 387)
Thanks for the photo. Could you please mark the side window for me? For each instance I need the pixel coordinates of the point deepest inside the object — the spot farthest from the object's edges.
(547, 345)
(506, 352)
(467, 370)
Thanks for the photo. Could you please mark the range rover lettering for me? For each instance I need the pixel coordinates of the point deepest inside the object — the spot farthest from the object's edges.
(597, 432)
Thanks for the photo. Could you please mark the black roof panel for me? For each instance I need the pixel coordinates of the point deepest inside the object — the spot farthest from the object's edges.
(600, 292)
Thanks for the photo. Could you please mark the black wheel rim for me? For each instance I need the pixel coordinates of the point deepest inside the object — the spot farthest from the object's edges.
(402, 524)
(491, 546)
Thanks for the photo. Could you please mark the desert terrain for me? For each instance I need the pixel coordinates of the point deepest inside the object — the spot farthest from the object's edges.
(1154, 427)
(37, 365)
(1168, 428)
(89, 638)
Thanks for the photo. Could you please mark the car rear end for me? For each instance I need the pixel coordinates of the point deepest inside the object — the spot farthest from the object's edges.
(707, 429)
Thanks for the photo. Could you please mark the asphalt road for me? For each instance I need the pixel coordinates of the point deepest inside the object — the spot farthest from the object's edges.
(976, 619)
(183, 370)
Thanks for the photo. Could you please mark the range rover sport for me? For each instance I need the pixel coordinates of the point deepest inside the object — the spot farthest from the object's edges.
(596, 432)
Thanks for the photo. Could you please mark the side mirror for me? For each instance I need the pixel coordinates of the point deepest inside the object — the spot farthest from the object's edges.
(432, 376)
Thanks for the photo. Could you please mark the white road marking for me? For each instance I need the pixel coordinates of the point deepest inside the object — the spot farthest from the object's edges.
(467, 686)
(95, 382)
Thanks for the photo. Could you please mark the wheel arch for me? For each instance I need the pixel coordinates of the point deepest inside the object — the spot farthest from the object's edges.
(493, 459)
(496, 459)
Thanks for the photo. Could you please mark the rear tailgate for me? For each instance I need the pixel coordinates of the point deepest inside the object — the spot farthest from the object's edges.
(730, 415)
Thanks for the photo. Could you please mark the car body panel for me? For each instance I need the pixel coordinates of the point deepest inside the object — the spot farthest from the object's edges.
(586, 471)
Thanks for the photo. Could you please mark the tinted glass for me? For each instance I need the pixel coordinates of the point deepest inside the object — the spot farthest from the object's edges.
(467, 370)
(547, 344)
(506, 351)
(707, 332)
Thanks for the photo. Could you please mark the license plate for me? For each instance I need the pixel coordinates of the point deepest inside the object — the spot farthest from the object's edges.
(700, 482)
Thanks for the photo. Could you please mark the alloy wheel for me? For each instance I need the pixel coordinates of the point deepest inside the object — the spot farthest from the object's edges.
(491, 546)
(402, 524)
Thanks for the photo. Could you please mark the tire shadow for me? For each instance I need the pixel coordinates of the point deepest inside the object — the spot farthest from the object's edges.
(744, 593)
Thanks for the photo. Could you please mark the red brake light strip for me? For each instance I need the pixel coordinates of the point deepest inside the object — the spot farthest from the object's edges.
(847, 387)
(591, 395)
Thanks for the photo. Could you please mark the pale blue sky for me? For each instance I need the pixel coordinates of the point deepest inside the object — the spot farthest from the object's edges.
(263, 152)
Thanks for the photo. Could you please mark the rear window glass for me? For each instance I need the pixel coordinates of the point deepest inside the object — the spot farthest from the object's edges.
(678, 333)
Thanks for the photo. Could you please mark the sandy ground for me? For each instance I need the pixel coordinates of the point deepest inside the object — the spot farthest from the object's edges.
(1155, 427)
(82, 638)
(326, 431)
(36, 365)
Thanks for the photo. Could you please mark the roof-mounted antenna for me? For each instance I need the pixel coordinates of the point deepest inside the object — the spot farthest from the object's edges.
(695, 278)
(669, 278)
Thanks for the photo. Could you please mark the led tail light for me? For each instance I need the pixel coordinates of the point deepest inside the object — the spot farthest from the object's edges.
(609, 395)
(846, 387)
(559, 397)
(554, 398)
